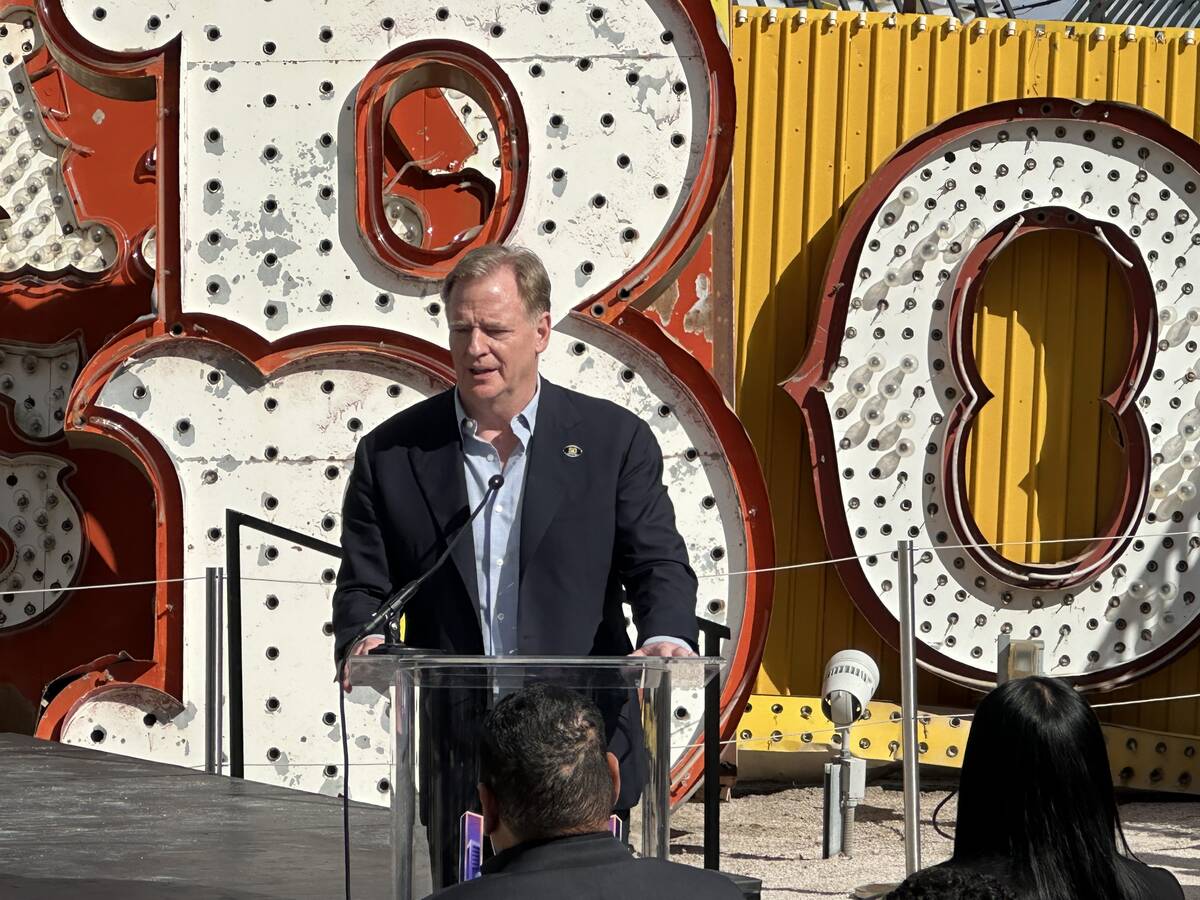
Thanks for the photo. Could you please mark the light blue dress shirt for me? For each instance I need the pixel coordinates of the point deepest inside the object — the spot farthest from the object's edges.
(497, 530)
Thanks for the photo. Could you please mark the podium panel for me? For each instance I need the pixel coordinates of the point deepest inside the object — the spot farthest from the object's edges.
(438, 706)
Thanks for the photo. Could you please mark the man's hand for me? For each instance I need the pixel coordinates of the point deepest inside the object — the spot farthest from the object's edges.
(663, 648)
(362, 648)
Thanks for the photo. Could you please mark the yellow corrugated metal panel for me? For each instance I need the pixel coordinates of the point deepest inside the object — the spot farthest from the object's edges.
(823, 101)
(1053, 337)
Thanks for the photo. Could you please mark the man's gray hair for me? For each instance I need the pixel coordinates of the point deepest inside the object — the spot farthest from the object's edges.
(533, 284)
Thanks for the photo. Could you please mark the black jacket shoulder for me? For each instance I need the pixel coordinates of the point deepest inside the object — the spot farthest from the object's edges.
(588, 867)
(423, 425)
(639, 879)
(997, 877)
(1154, 883)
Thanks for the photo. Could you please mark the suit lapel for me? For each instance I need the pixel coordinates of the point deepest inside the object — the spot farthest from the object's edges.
(438, 467)
(547, 479)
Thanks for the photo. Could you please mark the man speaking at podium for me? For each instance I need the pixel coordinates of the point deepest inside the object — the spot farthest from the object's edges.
(580, 522)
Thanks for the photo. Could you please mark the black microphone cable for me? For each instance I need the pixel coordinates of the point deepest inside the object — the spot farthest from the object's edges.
(345, 784)
(937, 809)
(393, 608)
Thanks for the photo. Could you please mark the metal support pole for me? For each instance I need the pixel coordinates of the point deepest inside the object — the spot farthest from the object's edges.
(212, 696)
(404, 693)
(656, 828)
(848, 831)
(831, 819)
(908, 711)
(711, 635)
(712, 760)
(847, 807)
(233, 621)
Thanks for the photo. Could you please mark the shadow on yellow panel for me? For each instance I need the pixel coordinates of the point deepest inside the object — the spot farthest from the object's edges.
(1052, 338)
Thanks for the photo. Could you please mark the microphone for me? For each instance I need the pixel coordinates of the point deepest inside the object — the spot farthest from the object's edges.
(396, 605)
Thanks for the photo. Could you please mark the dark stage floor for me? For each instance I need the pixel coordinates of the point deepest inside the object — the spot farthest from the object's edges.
(78, 823)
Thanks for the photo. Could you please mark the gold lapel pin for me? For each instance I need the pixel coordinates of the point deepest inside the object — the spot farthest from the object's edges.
(573, 451)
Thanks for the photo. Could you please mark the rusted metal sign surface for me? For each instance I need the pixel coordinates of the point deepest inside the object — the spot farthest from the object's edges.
(227, 223)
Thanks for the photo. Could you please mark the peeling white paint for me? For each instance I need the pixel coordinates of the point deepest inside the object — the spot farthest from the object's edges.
(645, 116)
(209, 408)
(698, 319)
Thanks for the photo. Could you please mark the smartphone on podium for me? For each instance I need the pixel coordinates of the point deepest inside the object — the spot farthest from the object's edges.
(470, 846)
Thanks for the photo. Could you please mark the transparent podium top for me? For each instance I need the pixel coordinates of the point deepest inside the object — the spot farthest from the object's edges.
(440, 706)
(433, 670)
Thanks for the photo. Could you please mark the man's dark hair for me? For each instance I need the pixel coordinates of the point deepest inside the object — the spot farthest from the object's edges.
(949, 883)
(543, 754)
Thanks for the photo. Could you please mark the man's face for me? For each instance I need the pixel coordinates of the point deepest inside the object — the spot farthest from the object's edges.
(494, 343)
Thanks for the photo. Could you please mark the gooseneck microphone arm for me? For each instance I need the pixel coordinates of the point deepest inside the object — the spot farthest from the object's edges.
(396, 605)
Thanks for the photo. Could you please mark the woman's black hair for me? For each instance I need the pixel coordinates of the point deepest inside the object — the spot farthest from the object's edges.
(1036, 790)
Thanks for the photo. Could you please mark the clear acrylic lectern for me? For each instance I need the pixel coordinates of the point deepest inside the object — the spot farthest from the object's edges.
(438, 705)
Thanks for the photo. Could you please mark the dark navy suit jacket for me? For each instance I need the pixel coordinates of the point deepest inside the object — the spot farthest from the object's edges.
(597, 527)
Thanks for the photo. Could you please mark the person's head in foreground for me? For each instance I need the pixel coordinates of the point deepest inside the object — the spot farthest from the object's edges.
(544, 767)
(547, 784)
(1036, 806)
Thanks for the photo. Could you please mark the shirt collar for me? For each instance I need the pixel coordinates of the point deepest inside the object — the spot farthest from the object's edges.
(522, 423)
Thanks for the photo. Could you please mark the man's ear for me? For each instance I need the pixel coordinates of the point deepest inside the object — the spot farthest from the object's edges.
(614, 771)
(543, 326)
(490, 808)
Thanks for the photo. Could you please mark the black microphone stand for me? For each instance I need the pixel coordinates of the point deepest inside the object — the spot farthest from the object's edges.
(394, 608)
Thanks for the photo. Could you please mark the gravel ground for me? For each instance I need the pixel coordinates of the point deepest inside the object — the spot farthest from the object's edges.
(773, 832)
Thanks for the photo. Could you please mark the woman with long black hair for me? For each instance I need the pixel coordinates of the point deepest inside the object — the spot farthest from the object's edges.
(1036, 809)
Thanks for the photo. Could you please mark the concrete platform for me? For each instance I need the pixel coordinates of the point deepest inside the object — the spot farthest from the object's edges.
(80, 823)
